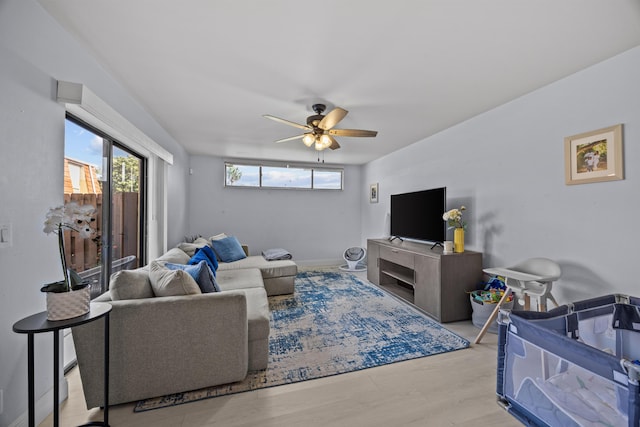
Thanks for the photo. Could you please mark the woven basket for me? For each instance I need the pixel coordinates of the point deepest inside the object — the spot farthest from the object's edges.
(67, 305)
(481, 313)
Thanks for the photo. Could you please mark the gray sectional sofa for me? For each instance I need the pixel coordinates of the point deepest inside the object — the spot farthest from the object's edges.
(170, 344)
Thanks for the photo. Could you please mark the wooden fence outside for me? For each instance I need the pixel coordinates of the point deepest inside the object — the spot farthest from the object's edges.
(83, 254)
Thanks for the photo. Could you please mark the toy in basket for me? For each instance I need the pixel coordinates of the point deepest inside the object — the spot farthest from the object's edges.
(484, 301)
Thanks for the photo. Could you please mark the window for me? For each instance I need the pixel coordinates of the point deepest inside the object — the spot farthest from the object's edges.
(264, 176)
(74, 173)
(286, 177)
(117, 192)
(242, 175)
(327, 179)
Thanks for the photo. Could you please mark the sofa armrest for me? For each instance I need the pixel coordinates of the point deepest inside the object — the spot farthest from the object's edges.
(165, 345)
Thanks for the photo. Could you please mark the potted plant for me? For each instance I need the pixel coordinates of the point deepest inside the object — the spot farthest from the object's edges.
(69, 297)
(454, 220)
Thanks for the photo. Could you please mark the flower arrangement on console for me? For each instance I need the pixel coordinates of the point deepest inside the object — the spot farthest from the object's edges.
(74, 217)
(454, 218)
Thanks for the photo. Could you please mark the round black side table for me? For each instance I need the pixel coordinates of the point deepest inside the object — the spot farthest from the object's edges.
(38, 323)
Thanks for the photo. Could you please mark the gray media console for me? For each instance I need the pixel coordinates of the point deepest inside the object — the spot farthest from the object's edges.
(439, 282)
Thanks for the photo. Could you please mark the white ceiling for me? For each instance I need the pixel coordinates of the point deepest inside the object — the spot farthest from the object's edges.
(208, 70)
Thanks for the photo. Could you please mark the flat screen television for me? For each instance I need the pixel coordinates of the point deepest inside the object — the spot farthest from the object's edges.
(418, 215)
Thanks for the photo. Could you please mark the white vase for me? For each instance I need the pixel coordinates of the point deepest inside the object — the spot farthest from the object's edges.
(67, 305)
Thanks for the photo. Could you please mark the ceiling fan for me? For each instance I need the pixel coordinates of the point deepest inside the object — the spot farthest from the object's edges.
(319, 128)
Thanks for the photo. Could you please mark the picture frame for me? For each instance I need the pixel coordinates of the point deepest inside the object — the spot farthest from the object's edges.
(594, 156)
(373, 193)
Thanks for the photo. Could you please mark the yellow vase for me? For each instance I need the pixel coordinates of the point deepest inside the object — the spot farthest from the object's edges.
(458, 240)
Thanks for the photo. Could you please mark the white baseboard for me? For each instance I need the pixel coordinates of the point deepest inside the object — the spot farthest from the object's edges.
(319, 262)
(44, 406)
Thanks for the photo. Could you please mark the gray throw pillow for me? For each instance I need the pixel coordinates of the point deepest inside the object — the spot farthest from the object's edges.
(166, 283)
(190, 248)
(130, 284)
(201, 273)
(176, 256)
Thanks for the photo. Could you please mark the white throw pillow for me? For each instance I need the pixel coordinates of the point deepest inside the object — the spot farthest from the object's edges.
(218, 237)
(166, 283)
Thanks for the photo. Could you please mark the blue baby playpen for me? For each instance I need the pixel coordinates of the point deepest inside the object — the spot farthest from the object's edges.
(576, 365)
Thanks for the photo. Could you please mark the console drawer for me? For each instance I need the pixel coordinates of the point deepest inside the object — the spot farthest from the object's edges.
(397, 256)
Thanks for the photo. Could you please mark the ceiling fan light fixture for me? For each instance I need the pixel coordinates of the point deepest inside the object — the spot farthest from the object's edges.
(308, 139)
(319, 131)
(325, 141)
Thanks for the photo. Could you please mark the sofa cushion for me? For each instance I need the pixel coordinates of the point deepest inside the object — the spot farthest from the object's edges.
(166, 282)
(206, 254)
(175, 255)
(201, 273)
(228, 249)
(130, 284)
(282, 285)
(257, 313)
(191, 248)
(229, 280)
(269, 269)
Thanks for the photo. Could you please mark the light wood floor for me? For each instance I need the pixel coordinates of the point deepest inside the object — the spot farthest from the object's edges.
(452, 389)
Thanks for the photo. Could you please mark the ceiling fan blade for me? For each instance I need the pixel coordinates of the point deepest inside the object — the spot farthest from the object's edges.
(352, 132)
(291, 138)
(286, 122)
(334, 144)
(332, 118)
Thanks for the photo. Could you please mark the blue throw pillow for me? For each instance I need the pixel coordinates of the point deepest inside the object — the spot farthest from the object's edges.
(205, 253)
(228, 249)
(201, 273)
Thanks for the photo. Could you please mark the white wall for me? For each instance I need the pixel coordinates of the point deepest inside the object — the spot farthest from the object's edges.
(35, 52)
(315, 226)
(507, 167)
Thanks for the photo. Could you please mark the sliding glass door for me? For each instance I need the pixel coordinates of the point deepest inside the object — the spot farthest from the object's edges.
(127, 197)
(103, 173)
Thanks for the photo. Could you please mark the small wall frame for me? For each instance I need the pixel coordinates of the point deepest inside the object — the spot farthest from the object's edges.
(373, 193)
(594, 156)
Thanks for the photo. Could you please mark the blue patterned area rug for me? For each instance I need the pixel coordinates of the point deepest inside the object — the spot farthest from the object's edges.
(333, 324)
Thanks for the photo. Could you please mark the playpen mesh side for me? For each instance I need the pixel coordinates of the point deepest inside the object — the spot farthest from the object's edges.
(559, 369)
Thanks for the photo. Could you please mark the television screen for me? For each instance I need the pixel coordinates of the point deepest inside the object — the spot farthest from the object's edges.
(418, 215)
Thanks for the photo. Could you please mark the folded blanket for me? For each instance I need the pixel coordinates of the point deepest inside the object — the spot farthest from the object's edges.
(276, 254)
